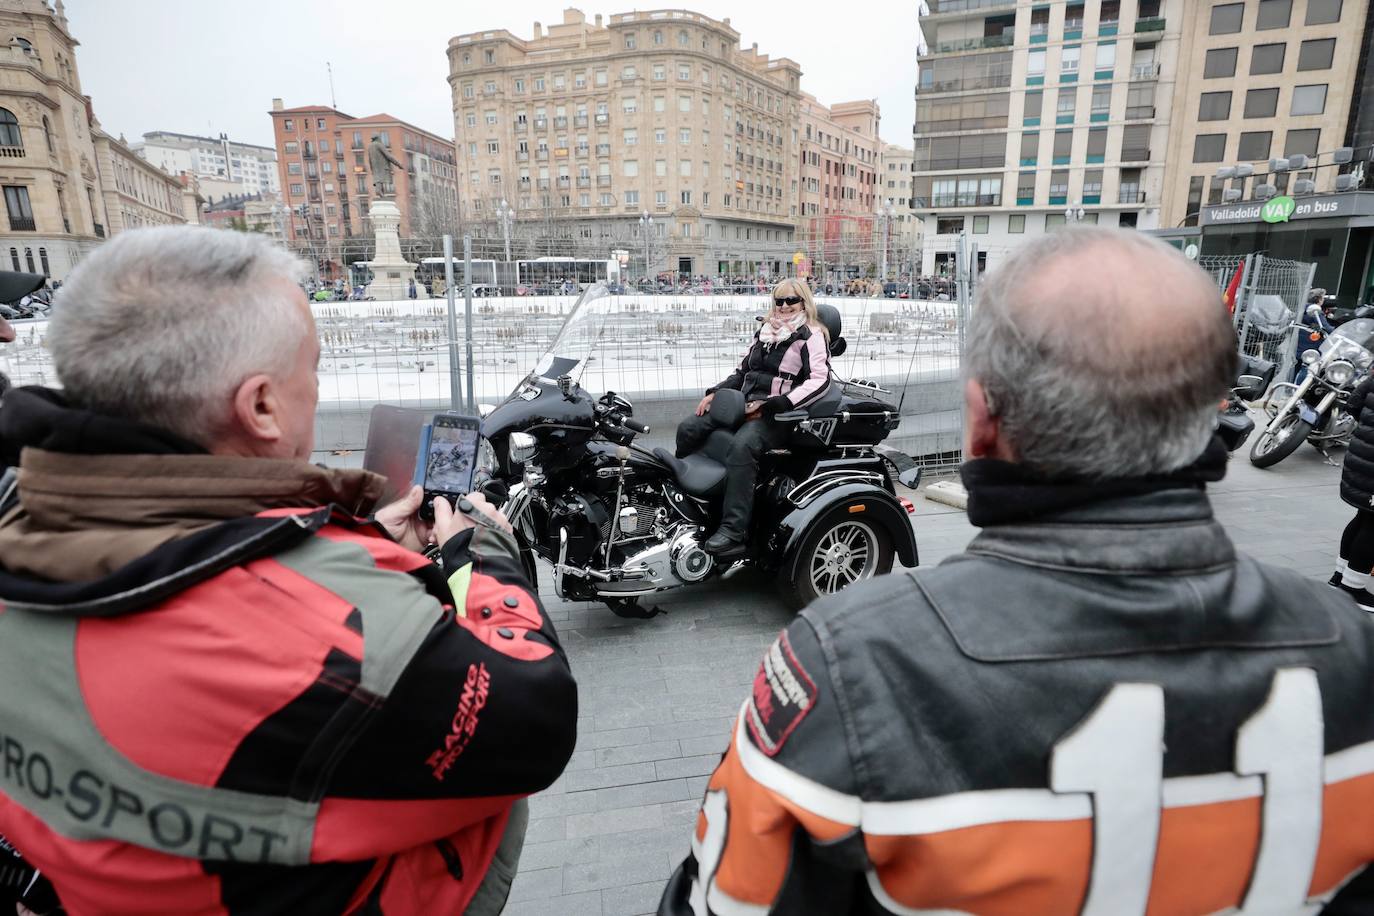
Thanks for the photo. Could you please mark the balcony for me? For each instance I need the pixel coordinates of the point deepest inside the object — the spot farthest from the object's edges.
(543, 184)
(1145, 71)
(1140, 113)
(584, 182)
(966, 6)
(1135, 155)
(308, 154)
(522, 155)
(1130, 194)
(100, 230)
(603, 181)
(564, 181)
(603, 119)
(541, 123)
(541, 153)
(522, 124)
(1005, 40)
(603, 149)
(580, 121)
(1108, 27)
(11, 152)
(560, 123)
(1150, 24)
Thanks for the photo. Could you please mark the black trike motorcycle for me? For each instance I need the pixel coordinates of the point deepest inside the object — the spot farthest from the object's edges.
(620, 522)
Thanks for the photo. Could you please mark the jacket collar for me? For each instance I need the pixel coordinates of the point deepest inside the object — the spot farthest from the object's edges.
(1129, 526)
(84, 512)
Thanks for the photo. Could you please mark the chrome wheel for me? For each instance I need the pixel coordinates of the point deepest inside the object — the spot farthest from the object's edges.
(845, 554)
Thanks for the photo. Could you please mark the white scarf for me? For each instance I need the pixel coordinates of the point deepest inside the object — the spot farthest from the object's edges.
(776, 329)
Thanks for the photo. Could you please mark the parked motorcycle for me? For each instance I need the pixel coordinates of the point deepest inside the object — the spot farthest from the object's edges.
(1233, 420)
(620, 522)
(1315, 409)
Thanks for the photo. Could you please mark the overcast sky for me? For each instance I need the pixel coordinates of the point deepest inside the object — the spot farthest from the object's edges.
(200, 67)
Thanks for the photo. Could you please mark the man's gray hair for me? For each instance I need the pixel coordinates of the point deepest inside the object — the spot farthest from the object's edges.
(1113, 371)
(161, 325)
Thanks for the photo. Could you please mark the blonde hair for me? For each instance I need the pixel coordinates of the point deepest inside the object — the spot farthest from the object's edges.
(792, 286)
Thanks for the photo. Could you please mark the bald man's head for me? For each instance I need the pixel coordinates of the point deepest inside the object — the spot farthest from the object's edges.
(1103, 354)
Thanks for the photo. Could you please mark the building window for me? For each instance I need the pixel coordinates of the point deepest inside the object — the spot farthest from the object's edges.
(1068, 99)
(1274, 14)
(1261, 103)
(630, 168)
(1063, 145)
(661, 198)
(1321, 12)
(684, 71)
(288, 124)
(1316, 54)
(1254, 145)
(1214, 106)
(661, 168)
(686, 197)
(520, 85)
(1266, 59)
(1035, 63)
(629, 104)
(1227, 18)
(1309, 100)
(1106, 57)
(9, 129)
(20, 211)
(684, 103)
(14, 259)
(629, 41)
(1068, 60)
(660, 135)
(1101, 101)
(660, 103)
(1025, 187)
(980, 225)
(43, 261)
(629, 136)
(949, 225)
(47, 136)
(1030, 146)
(1059, 184)
(1034, 102)
(1302, 141)
(1221, 63)
(539, 84)
(631, 197)
(684, 168)
(1209, 147)
(319, 124)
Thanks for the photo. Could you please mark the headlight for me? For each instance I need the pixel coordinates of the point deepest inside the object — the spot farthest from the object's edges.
(486, 457)
(1340, 373)
(522, 447)
(1310, 356)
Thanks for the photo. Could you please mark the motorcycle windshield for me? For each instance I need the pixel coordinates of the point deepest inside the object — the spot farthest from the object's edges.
(1353, 341)
(571, 348)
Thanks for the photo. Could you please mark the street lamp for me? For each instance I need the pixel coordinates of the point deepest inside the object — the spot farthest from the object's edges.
(646, 222)
(1074, 215)
(505, 213)
(888, 212)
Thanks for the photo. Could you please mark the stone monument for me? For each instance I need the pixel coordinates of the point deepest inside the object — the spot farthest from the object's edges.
(391, 273)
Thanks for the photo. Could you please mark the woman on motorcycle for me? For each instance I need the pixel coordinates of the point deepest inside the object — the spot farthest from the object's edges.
(786, 368)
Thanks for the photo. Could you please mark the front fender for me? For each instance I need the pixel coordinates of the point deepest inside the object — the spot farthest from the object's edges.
(879, 505)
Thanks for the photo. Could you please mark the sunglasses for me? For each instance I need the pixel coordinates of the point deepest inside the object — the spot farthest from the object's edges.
(788, 300)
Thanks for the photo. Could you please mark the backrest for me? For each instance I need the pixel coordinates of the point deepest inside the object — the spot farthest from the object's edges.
(727, 409)
(717, 445)
(830, 317)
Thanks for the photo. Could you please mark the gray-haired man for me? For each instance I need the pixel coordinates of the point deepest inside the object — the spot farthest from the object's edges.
(225, 690)
(1099, 707)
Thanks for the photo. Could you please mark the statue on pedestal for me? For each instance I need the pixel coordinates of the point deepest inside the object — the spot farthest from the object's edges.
(380, 161)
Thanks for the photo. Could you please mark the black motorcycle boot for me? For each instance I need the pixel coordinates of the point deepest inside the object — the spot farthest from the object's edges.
(1363, 598)
(736, 508)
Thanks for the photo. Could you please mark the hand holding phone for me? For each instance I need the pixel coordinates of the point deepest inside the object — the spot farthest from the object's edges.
(450, 459)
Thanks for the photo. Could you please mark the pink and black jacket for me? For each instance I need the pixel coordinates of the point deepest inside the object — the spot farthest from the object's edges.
(792, 374)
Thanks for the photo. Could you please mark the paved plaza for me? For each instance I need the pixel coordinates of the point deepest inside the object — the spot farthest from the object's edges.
(658, 697)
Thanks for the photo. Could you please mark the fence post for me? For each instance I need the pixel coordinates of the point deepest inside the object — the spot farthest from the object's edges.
(455, 385)
(467, 317)
(1254, 263)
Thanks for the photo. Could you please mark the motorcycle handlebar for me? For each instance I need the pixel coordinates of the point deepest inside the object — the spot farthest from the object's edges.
(634, 425)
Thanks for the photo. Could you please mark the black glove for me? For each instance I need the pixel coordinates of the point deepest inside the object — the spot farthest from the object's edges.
(775, 405)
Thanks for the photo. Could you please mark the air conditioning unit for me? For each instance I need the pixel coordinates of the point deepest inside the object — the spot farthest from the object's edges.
(1304, 186)
(1231, 195)
(1278, 165)
(1298, 162)
(1265, 191)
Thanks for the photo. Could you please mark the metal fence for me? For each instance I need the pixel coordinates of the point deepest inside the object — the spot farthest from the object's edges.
(1270, 295)
(661, 351)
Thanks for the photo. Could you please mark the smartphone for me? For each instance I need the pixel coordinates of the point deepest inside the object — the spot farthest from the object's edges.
(449, 448)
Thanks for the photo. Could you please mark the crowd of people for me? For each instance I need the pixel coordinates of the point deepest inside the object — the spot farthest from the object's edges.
(234, 683)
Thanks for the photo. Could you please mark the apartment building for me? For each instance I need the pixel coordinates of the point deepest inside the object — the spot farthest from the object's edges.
(838, 199)
(900, 228)
(250, 169)
(652, 122)
(1030, 114)
(327, 186)
(1259, 81)
(67, 184)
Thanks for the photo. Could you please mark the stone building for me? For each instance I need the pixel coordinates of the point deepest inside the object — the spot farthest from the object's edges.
(1031, 114)
(838, 199)
(244, 167)
(649, 121)
(901, 230)
(1258, 81)
(327, 188)
(67, 184)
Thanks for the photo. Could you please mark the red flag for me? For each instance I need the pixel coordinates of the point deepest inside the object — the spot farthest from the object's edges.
(1233, 288)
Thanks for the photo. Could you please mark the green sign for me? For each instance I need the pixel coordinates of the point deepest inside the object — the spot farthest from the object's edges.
(1278, 210)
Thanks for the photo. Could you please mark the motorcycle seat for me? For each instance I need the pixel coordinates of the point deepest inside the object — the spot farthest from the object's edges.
(702, 473)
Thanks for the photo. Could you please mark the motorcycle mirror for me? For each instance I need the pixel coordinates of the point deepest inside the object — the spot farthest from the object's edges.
(565, 385)
(1315, 335)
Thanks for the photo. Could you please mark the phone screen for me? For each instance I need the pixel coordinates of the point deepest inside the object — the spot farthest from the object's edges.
(452, 458)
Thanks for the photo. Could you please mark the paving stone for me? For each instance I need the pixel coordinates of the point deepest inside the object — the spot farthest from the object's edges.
(719, 727)
(543, 829)
(644, 793)
(623, 871)
(546, 804)
(585, 904)
(557, 853)
(633, 900)
(707, 744)
(687, 766)
(603, 777)
(537, 882)
(637, 753)
(616, 820)
(617, 737)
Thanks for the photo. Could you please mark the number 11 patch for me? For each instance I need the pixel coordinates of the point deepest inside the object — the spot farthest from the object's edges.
(783, 694)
